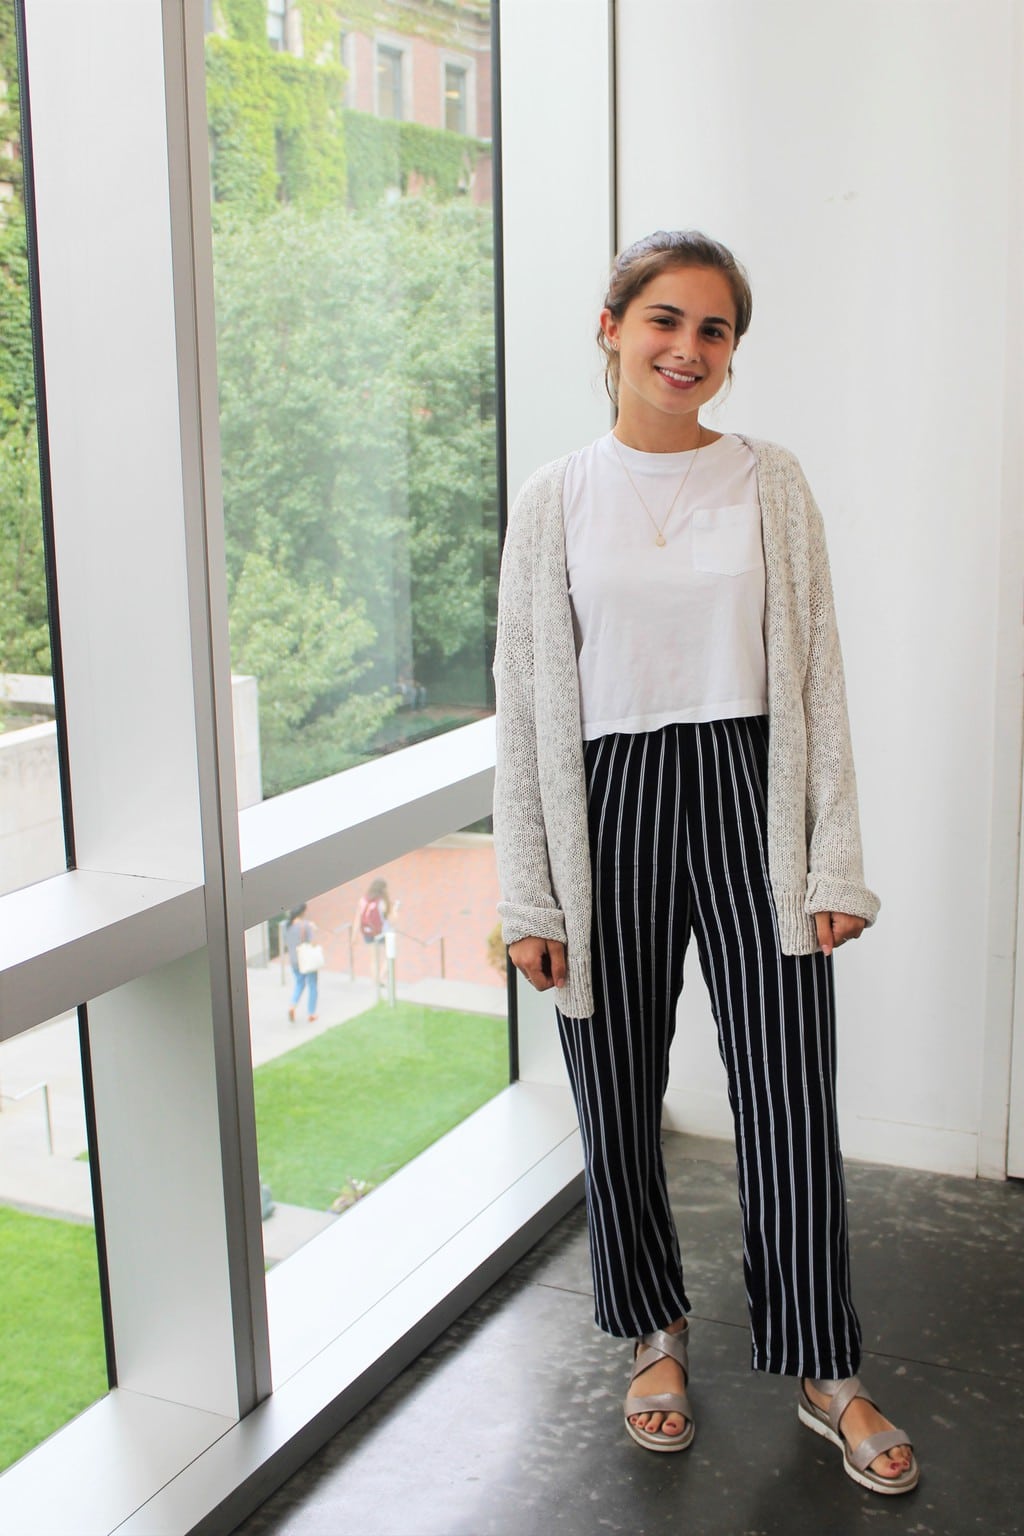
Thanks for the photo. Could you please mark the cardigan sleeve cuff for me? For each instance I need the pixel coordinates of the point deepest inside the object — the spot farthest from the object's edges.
(576, 999)
(521, 922)
(797, 932)
(828, 893)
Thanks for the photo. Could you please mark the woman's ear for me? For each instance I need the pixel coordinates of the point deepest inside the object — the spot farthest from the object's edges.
(610, 326)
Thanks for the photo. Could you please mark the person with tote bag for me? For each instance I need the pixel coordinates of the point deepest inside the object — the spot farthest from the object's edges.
(307, 958)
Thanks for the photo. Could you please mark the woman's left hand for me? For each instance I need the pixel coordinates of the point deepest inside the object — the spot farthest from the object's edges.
(835, 928)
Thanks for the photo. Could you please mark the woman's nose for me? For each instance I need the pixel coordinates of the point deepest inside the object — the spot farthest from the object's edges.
(687, 343)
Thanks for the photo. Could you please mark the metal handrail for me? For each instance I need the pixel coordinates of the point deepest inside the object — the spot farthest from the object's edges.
(435, 938)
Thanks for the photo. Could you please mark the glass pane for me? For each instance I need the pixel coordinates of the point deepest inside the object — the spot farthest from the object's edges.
(275, 23)
(397, 1032)
(31, 829)
(389, 82)
(53, 1363)
(455, 98)
(353, 265)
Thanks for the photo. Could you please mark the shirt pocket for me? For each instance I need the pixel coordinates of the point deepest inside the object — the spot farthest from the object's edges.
(727, 540)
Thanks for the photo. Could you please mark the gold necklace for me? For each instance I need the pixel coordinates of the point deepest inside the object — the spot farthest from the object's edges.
(659, 533)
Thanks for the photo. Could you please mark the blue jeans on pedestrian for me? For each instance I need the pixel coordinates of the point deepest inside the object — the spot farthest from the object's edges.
(310, 979)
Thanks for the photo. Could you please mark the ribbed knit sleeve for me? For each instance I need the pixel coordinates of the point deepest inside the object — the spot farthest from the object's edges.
(835, 876)
(528, 908)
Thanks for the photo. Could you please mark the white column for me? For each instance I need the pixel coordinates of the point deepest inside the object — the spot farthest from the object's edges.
(558, 217)
(126, 296)
(857, 156)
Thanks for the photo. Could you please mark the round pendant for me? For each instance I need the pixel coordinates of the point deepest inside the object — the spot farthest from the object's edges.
(660, 540)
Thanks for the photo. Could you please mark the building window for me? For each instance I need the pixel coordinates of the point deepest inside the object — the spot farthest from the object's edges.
(276, 11)
(455, 98)
(390, 102)
(346, 58)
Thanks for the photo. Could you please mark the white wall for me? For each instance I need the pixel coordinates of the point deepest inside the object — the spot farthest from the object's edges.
(557, 215)
(557, 223)
(857, 156)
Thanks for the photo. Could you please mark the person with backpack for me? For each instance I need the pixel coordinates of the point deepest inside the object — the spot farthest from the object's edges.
(373, 912)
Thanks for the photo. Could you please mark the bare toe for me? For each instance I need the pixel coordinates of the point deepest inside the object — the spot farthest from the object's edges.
(892, 1463)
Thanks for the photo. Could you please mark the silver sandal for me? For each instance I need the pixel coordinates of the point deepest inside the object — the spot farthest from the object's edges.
(857, 1459)
(651, 1348)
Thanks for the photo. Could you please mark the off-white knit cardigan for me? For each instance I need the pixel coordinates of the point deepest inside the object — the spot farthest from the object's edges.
(540, 804)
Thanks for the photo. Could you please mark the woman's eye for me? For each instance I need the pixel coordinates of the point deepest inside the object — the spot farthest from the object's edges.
(714, 332)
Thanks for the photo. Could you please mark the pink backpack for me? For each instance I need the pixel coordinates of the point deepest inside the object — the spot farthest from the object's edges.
(372, 921)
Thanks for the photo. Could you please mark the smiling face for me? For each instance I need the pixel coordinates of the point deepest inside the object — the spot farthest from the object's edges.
(675, 343)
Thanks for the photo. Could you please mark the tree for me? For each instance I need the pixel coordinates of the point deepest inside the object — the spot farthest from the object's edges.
(356, 372)
(306, 648)
(444, 252)
(24, 627)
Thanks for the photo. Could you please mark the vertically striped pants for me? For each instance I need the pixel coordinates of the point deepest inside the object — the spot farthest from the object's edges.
(678, 838)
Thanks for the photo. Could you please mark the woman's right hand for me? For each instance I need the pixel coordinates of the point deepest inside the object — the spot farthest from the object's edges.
(541, 961)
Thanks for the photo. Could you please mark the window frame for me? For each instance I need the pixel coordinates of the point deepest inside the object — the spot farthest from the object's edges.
(399, 52)
(136, 918)
(277, 12)
(466, 66)
(347, 60)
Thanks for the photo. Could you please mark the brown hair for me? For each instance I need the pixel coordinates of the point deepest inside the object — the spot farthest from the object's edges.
(645, 259)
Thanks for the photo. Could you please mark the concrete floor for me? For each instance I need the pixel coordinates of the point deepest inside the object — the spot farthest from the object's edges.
(509, 1425)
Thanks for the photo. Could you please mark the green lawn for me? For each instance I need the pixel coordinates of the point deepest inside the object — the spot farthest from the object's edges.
(366, 1096)
(52, 1363)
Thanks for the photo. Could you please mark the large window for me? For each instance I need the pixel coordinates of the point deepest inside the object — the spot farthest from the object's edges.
(354, 270)
(378, 1015)
(349, 420)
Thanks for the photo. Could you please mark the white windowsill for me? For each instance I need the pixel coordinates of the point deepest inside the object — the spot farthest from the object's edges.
(355, 821)
(104, 1464)
(408, 1269)
(84, 932)
(79, 934)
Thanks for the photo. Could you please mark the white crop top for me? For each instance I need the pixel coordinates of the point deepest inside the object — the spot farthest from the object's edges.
(674, 633)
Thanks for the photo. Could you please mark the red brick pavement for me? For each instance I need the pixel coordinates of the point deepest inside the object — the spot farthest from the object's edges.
(444, 889)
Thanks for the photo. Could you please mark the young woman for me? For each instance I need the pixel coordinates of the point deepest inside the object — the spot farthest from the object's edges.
(674, 757)
(299, 930)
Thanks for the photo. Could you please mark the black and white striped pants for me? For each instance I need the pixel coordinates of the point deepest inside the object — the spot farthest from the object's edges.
(678, 839)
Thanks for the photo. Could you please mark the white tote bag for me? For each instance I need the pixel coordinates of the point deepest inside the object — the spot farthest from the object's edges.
(308, 957)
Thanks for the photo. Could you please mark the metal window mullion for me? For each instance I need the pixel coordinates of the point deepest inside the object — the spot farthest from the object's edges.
(191, 240)
(500, 427)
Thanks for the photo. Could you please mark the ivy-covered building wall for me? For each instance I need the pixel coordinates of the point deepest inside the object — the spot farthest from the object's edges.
(281, 131)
